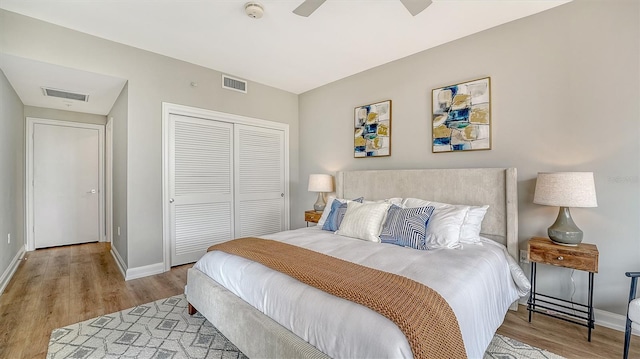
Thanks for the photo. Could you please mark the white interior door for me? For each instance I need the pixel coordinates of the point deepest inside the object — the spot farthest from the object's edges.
(200, 186)
(66, 170)
(260, 180)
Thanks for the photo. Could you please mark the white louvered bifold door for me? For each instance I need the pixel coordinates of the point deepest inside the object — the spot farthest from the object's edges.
(201, 186)
(260, 181)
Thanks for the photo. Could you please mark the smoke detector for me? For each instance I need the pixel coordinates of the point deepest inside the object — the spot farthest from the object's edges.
(253, 9)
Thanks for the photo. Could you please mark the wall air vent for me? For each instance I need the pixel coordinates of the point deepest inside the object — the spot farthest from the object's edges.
(231, 83)
(49, 92)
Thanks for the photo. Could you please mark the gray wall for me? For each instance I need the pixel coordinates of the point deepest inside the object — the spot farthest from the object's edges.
(119, 116)
(61, 115)
(565, 89)
(11, 173)
(152, 79)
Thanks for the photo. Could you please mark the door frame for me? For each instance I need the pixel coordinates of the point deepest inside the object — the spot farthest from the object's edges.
(108, 180)
(169, 109)
(29, 206)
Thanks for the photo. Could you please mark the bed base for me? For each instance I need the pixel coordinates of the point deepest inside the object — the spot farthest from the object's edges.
(255, 334)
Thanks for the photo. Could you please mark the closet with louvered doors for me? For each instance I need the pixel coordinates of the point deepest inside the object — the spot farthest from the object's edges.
(225, 180)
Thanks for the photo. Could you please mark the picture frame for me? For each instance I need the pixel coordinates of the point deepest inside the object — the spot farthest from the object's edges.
(372, 130)
(461, 117)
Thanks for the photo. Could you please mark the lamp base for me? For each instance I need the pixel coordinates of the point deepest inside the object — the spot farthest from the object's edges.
(320, 203)
(564, 231)
(564, 244)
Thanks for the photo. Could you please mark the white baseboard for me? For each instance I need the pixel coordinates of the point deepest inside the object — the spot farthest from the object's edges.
(144, 271)
(121, 265)
(614, 321)
(11, 269)
(136, 272)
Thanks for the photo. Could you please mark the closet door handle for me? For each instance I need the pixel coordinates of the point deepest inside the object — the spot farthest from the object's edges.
(171, 200)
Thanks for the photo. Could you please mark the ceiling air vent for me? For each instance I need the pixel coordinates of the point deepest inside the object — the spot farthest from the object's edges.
(65, 94)
(230, 83)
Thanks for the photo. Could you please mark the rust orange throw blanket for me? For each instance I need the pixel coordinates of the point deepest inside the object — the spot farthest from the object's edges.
(421, 313)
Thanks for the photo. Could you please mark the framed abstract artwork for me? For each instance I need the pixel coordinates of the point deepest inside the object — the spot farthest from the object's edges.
(461, 117)
(372, 130)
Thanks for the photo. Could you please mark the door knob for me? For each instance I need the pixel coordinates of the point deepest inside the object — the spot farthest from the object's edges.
(92, 191)
(171, 200)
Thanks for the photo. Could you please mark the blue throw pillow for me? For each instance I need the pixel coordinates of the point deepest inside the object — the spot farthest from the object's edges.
(338, 209)
(406, 226)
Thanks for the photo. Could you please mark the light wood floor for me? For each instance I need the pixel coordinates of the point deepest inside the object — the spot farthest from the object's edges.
(60, 286)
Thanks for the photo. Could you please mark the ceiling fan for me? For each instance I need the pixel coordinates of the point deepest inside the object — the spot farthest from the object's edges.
(309, 6)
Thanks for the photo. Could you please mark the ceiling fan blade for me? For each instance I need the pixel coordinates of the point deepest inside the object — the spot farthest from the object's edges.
(308, 7)
(415, 6)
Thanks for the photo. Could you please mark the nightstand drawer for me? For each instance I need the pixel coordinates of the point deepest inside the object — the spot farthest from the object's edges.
(312, 216)
(582, 257)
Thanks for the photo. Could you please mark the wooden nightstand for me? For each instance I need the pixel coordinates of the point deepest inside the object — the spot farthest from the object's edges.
(312, 216)
(582, 257)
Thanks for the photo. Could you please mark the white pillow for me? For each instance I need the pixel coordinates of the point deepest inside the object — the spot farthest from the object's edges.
(470, 232)
(443, 230)
(460, 223)
(472, 223)
(364, 220)
(414, 202)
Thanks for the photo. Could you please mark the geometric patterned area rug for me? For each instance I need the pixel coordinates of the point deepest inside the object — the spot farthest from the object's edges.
(164, 330)
(502, 347)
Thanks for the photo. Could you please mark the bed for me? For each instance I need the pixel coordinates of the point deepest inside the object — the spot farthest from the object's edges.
(266, 321)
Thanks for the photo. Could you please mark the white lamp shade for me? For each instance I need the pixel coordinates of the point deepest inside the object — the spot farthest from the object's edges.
(320, 183)
(565, 189)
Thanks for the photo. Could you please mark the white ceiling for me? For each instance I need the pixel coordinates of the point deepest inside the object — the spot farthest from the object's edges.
(283, 50)
(28, 77)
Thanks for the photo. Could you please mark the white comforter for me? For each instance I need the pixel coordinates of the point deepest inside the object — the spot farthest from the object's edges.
(479, 282)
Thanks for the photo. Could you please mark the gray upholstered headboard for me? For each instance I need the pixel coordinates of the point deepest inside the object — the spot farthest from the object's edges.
(496, 187)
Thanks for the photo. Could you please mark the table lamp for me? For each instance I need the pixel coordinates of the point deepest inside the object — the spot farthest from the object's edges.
(564, 190)
(320, 183)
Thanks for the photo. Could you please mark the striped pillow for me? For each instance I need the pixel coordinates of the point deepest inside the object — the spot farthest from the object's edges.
(406, 226)
(338, 209)
(364, 221)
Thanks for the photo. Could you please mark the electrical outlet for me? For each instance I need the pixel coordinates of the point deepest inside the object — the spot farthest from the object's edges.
(8, 238)
(524, 258)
